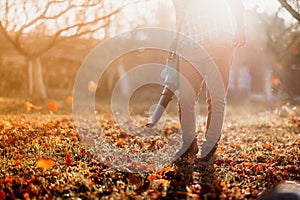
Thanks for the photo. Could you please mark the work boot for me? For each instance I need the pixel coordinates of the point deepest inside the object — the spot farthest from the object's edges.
(209, 158)
(190, 152)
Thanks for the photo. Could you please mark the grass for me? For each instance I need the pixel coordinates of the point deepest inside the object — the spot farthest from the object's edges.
(42, 157)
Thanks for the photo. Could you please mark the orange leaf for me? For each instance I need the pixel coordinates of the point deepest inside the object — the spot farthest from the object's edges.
(52, 105)
(17, 161)
(30, 106)
(259, 168)
(45, 163)
(91, 183)
(274, 80)
(8, 179)
(268, 146)
(68, 159)
(120, 142)
(223, 184)
(69, 99)
(151, 178)
(26, 196)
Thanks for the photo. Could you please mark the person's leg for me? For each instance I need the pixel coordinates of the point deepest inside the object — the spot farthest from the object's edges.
(222, 56)
(189, 89)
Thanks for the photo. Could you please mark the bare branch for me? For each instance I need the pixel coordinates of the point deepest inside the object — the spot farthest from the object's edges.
(83, 28)
(291, 10)
(89, 31)
(16, 44)
(40, 17)
(70, 7)
(81, 25)
(6, 12)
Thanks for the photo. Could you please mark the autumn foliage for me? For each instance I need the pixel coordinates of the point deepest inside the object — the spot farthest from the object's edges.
(44, 157)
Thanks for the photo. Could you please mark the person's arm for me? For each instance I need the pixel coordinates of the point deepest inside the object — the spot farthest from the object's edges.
(179, 10)
(237, 8)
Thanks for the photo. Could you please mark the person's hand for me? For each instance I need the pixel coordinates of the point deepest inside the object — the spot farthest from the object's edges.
(239, 39)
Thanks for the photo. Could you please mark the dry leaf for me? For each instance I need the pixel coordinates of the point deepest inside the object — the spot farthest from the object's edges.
(268, 146)
(8, 179)
(45, 163)
(30, 106)
(17, 161)
(135, 179)
(2, 195)
(69, 99)
(26, 196)
(68, 159)
(274, 80)
(52, 105)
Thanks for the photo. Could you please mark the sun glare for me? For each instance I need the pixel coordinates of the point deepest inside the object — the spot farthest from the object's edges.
(141, 13)
(261, 6)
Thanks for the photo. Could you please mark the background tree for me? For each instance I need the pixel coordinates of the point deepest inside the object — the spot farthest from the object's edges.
(292, 6)
(34, 27)
(284, 43)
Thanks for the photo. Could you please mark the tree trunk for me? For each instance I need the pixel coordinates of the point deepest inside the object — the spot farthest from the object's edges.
(36, 84)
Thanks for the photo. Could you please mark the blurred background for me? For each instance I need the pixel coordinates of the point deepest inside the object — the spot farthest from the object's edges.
(43, 43)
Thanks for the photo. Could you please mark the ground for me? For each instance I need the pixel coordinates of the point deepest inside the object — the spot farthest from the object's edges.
(43, 157)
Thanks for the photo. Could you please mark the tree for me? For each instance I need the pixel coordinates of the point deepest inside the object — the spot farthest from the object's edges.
(42, 24)
(292, 6)
(283, 41)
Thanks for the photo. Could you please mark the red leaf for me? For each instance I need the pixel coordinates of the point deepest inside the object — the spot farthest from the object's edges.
(2, 195)
(82, 152)
(17, 161)
(68, 159)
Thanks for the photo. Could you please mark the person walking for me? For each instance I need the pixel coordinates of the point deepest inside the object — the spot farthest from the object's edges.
(217, 26)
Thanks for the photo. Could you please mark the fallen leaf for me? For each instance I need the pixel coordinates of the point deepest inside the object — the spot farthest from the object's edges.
(268, 146)
(134, 179)
(274, 80)
(68, 159)
(45, 163)
(82, 152)
(17, 161)
(26, 196)
(8, 179)
(2, 195)
(52, 105)
(30, 106)
(69, 99)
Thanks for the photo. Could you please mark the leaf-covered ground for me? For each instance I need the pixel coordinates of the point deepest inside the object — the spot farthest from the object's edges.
(42, 157)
